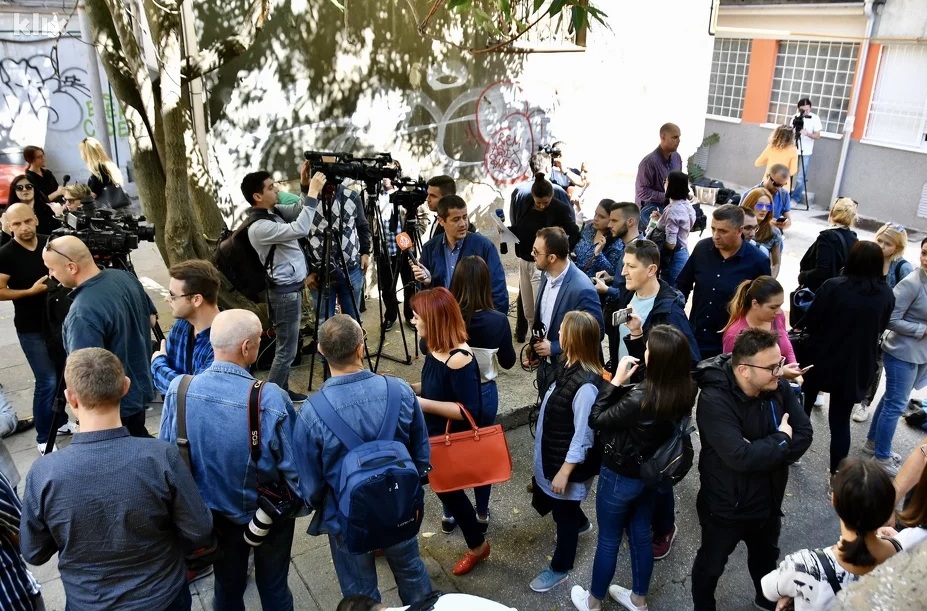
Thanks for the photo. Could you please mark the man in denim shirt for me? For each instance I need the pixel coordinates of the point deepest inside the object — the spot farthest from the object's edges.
(218, 431)
(359, 397)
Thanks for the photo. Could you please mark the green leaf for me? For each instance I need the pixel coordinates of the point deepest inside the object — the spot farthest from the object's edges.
(506, 7)
(537, 5)
(458, 4)
(579, 18)
(556, 8)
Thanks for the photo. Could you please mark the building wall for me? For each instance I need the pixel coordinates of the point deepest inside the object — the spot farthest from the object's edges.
(903, 19)
(886, 182)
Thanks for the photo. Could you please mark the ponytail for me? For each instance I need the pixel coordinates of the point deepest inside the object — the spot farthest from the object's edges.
(762, 290)
(864, 499)
(541, 186)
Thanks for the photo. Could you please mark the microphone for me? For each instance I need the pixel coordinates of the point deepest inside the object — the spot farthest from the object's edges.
(504, 246)
(67, 177)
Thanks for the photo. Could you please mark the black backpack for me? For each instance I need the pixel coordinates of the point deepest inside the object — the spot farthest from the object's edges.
(240, 263)
(672, 460)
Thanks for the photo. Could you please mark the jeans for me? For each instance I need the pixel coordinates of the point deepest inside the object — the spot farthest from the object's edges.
(286, 311)
(271, 567)
(569, 517)
(183, 602)
(622, 504)
(664, 511)
(646, 209)
(671, 272)
(357, 573)
(341, 293)
(838, 419)
(46, 383)
(900, 377)
(719, 538)
(801, 178)
(874, 387)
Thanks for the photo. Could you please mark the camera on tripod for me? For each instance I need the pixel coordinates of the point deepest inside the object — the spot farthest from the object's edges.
(105, 235)
(798, 124)
(409, 194)
(338, 166)
(552, 150)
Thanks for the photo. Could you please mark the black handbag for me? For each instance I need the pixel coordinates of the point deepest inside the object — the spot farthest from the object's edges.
(113, 196)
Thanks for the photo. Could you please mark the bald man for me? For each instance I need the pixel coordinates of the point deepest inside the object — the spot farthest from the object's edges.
(109, 309)
(23, 279)
(650, 191)
(217, 429)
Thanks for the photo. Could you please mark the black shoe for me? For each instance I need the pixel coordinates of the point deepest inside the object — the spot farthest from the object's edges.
(297, 397)
(23, 424)
(309, 348)
(448, 525)
(410, 324)
(388, 324)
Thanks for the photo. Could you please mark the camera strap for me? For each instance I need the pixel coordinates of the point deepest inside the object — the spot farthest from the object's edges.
(254, 420)
(183, 444)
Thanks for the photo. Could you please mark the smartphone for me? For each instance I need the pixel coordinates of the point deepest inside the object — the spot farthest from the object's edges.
(781, 219)
(620, 317)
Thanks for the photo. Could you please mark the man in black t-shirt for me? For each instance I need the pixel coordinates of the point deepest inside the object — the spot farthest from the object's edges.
(23, 278)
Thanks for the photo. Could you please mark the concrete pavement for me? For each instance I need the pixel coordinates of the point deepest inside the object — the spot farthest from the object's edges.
(521, 540)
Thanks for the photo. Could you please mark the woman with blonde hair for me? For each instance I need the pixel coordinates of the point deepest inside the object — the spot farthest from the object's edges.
(780, 149)
(564, 459)
(103, 171)
(827, 256)
(768, 237)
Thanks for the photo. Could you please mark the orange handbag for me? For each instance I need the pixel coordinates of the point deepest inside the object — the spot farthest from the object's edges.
(468, 459)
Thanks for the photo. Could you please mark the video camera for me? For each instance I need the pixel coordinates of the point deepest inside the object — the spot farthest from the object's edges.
(798, 123)
(552, 150)
(410, 194)
(338, 166)
(104, 234)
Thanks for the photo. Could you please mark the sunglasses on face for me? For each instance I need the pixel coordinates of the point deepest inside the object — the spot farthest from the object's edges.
(762, 207)
(774, 182)
(24, 187)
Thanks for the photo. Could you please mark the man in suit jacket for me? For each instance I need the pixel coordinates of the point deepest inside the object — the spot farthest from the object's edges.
(564, 287)
(442, 252)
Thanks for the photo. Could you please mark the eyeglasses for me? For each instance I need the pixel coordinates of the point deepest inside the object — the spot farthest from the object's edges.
(775, 183)
(49, 248)
(171, 297)
(759, 206)
(535, 253)
(25, 187)
(776, 370)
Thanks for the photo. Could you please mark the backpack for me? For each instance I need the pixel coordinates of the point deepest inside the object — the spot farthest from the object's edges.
(802, 297)
(379, 496)
(672, 460)
(237, 260)
(701, 221)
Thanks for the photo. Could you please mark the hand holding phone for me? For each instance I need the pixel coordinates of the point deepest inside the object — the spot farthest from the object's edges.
(621, 317)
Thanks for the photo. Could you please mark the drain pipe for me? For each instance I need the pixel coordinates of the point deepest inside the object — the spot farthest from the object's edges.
(850, 123)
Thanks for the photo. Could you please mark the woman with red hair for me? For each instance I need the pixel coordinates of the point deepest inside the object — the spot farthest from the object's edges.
(450, 383)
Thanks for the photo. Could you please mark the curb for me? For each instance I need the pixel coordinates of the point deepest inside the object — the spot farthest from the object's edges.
(514, 418)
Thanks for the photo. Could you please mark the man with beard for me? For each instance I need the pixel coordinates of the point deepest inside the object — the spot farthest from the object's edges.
(623, 224)
(650, 190)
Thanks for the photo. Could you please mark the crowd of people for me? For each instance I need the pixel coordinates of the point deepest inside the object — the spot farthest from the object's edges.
(237, 458)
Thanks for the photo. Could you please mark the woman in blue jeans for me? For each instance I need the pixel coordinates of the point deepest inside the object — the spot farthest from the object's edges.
(904, 350)
(490, 339)
(633, 422)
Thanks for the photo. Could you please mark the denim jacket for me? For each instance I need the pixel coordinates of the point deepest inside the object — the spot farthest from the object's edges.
(217, 427)
(360, 399)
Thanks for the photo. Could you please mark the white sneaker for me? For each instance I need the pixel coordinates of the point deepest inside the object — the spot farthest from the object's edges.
(41, 448)
(819, 400)
(860, 412)
(580, 597)
(623, 597)
(890, 464)
(68, 428)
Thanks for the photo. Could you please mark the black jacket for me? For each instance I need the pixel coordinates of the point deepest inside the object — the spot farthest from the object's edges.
(826, 257)
(744, 459)
(627, 434)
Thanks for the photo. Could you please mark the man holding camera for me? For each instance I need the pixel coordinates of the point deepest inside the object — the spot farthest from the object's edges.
(808, 128)
(224, 466)
(23, 278)
(109, 309)
(441, 253)
(115, 508)
(650, 188)
(360, 398)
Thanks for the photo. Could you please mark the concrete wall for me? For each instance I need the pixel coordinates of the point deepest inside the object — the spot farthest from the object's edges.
(903, 19)
(373, 84)
(886, 182)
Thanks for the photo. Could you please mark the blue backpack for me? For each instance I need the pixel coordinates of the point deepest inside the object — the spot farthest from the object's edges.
(379, 496)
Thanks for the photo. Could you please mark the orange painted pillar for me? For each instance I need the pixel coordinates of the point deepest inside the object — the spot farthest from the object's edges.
(759, 80)
(869, 74)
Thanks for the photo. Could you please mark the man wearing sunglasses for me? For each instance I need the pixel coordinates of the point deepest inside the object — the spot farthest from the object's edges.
(109, 309)
(752, 427)
(775, 182)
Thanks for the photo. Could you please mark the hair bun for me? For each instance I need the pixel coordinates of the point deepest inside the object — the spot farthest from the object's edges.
(539, 176)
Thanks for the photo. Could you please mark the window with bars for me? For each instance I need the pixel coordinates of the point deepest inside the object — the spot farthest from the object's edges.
(821, 71)
(898, 110)
(728, 80)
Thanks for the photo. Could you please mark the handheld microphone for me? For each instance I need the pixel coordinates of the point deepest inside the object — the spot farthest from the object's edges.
(404, 242)
(67, 177)
(503, 247)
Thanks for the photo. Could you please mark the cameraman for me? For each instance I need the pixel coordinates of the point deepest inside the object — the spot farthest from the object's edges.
(808, 127)
(220, 455)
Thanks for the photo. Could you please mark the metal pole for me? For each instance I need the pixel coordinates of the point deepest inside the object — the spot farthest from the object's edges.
(101, 132)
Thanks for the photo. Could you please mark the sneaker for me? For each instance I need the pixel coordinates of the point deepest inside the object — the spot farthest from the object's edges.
(622, 596)
(448, 525)
(580, 597)
(586, 528)
(41, 448)
(68, 428)
(663, 544)
(860, 412)
(547, 580)
(819, 400)
(890, 464)
(193, 576)
(297, 397)
(869, 449)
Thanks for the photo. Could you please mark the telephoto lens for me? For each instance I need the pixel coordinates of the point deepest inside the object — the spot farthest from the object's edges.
(258, 528)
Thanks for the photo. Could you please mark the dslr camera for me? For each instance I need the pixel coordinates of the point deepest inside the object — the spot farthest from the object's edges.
(553, 151)
(275, 502)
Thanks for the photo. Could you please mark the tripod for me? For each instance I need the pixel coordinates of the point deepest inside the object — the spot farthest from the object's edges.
(330, 258)
(801, 169)
(386, 275)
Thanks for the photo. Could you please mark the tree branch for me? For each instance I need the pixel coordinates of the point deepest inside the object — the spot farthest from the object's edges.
(223, 51)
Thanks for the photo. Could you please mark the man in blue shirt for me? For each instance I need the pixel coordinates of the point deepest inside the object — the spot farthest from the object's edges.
(116, 509)
(109, 309)
(441, 253)
(192, 293)
(223, 468)
(716, 267)
(775, 182)
(359, 397)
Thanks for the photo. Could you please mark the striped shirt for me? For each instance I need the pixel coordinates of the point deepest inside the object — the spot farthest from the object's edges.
(17, 585)
(182, 357)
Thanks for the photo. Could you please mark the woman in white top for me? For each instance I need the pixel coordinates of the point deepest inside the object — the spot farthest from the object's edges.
(864, 499)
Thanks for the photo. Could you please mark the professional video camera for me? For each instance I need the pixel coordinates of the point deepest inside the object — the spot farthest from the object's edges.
(338, 166)
(106, 236)
(551, 150)
(798, 123)
(410, 194)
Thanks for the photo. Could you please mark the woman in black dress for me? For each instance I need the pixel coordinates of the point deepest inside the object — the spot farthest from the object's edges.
(41, 177)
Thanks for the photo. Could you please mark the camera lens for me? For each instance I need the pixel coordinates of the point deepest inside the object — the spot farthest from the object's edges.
(258, 528)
